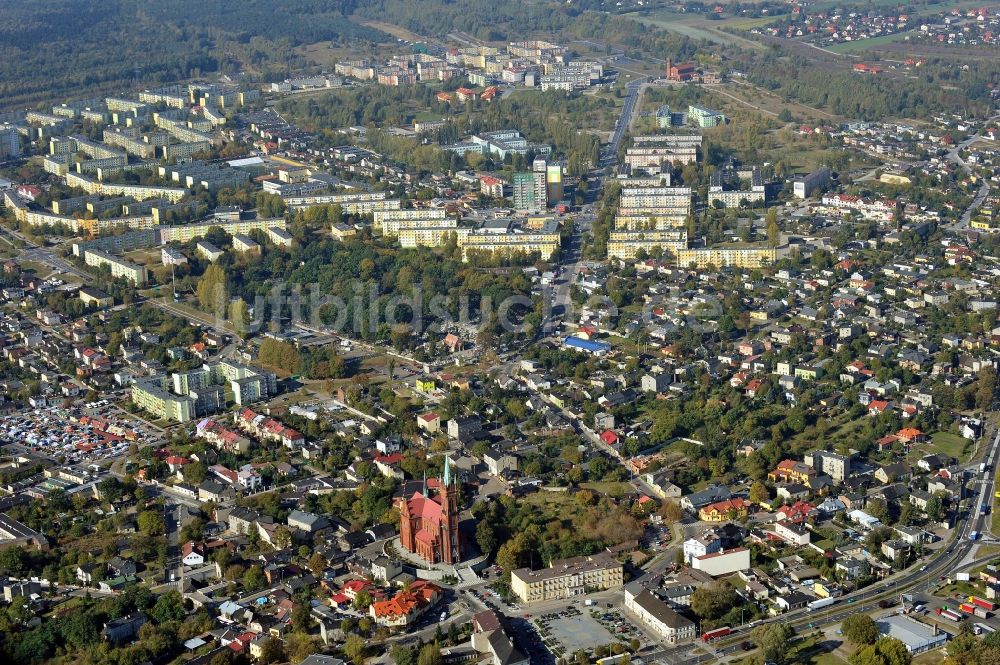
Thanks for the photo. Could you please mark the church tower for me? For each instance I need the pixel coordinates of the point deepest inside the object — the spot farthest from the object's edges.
(451, 550)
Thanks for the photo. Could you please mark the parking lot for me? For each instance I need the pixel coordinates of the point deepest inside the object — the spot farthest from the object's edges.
(83, 434)
(570, 630)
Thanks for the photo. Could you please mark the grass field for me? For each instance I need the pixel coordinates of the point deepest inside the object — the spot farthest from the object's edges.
(610, 488)
(929, 658)
(862, 44)
(950, 444)
(697, 27)
(390, 29)
(810, 650)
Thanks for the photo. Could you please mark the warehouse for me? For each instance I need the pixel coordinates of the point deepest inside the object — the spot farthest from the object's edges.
(918, 637)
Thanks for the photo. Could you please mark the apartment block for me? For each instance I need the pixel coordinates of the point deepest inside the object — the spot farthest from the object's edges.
(391, 221)
(704, 117)
(187, 232)
(722, 257)
(139, 192)
(152, 397)
(626, 245)
(544, 244)
(431, 235)
(804, 187)
(657, 615)
(10, 142)
(120, 268)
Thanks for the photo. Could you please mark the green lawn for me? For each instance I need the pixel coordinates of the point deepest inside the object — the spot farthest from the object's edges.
(950, 444)
(929, 658)
(862, 44)
(610, 488)
(699, 28)
(804, 652)
(964, 588)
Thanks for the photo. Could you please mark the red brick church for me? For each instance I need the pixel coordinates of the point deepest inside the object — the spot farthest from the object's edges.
(428, 524)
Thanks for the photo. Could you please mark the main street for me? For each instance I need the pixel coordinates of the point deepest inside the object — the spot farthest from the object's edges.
(610, 153)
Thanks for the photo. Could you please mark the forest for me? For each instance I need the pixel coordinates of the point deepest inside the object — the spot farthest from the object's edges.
(942, 86)
(66, 48)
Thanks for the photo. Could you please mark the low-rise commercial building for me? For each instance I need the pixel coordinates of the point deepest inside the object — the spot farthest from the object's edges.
(568, 577)
(659, 617)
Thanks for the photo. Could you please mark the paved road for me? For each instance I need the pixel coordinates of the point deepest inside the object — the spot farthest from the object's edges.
(608, 157)
(955, 158)
(957, 556)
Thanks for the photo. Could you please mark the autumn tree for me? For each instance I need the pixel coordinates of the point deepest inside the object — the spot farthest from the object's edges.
(885, 651)
(317, 562)
(759, 494)
(354, 649)
(239, 316)
(711, 601)
(772, 640)
(773, 232)
(860, 629)
(211, 290)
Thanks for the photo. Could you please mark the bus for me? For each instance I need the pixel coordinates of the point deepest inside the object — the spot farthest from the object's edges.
(716, 634)
(974, 535)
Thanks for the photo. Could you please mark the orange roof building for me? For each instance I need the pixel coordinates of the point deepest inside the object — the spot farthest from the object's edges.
(406, 606)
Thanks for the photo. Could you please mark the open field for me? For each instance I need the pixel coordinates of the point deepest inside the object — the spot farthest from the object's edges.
(396, 31)
(950, 444)
(810, 650)
(610, 488)
(327, 54)
(926, 49)
(770, 102)
(697, 27)
(863, 44)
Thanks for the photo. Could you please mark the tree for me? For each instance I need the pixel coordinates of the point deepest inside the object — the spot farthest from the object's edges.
(671, 512)
(486, 537)
(886, 651)
(772, 640)
(430, 654)
(317, 562)
(254, 578)
(301, 617)
(362, 600)
(759, 494)
(282, 537)
(150, 523)
(211, 290)
(271, 652)
(12, 560)
(169, 607)
(934, 508)
(299, 646)
(773, 232)
(860, 629)
(509, 556)
(879, 509)
(354, 649)
(711, 601)
(239, 316)
(986, 388)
